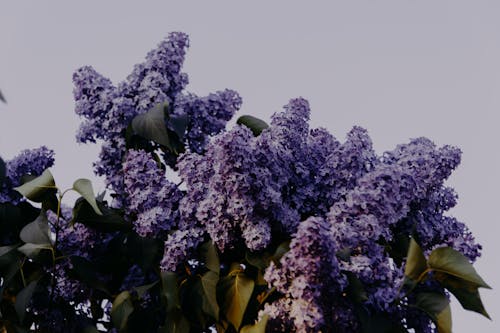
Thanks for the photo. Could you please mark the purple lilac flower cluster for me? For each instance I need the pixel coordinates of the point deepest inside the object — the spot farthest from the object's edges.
(30, 162)
(108, 109)
(249, 189)
(152, 200)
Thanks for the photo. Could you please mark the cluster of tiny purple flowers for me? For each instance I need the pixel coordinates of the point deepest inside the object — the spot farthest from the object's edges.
(108, 110)
(338, 204)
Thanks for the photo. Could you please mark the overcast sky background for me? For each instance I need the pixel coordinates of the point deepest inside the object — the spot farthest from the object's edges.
(402, 69)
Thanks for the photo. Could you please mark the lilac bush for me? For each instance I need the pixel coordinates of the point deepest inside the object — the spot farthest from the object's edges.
(253, 228)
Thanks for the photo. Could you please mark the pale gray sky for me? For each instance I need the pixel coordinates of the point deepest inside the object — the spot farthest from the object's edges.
(402, 69)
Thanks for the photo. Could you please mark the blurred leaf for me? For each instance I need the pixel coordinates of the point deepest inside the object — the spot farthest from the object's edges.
(146, 252)
(37, 188)
(179, 124)
(235, 291)
(170, 290)
(175, 323)
(209, 282)
(31, 250)
(84, 187)
(437, 306)
(466, 292)
(121, 310)
(450, 261)
(90, 329)
(141, 290)
(415, 262)
(37, 232)
(255, 124)
(261, 260)
(355, 289)
(259, 327)
(110, 220)
(2, 98)
(23, 299)
(7, 249)
(3, 172)
(344, 254)
(151, 125)
(210, 256)
(86, 272)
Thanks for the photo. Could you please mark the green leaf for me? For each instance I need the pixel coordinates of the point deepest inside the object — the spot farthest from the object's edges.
(84, 187)
(210, 256)
(466, 292)
(175, 323)
(110, 220)
(86, 272)
(7, 249)
(121, 310)
(415, 262)
(23, 298)
(209, 284)
(235, 291)
(259, 327)
(141, 290)
(37, 232)
(179, 124)
(31, 250)
(255, 124)
(355, 289)
(450, 261)
(37, 188)
(151, 125)
(280, 251)
(437, 307)
(261, 260)
(170, 290)
(344, 254)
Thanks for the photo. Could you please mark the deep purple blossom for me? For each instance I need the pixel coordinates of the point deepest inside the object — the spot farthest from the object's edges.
(206, 115)
(30, 162)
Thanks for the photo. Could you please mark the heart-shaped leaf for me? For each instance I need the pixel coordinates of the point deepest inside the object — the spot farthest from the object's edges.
(37, 188)
(235, 290)
(450, 261)
(179, 124)
(255, 124)
(415, 263)
(437, 307)
(151, 125)
(31, 250)
(170, 290)
(37, 232)
(141, 290)
(84, 187)
(210, 256)
(121, 310)
(23, 299)
(466, 292)
(209, 282)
